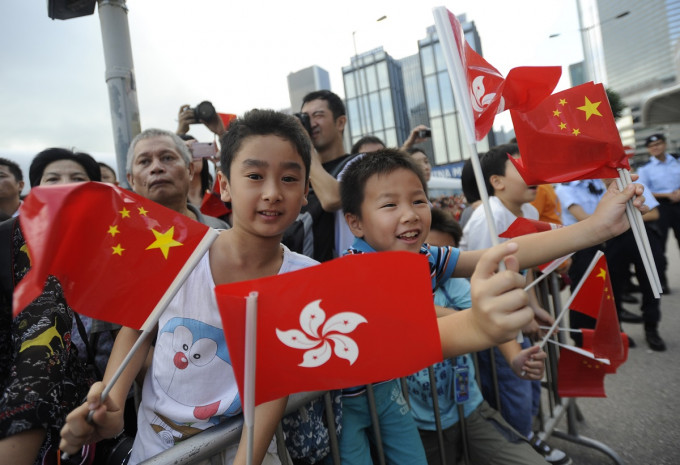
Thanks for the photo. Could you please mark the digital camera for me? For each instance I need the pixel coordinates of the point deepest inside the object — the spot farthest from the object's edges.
(204, 112)
(304, 118)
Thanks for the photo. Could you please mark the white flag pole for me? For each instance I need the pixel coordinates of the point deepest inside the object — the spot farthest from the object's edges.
(571, 297)
(249, 373)
(458, 77)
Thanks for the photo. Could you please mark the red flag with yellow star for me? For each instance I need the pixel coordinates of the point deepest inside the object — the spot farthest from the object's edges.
(588, 299)
(116, 254)
(580, 375)
(571, 135)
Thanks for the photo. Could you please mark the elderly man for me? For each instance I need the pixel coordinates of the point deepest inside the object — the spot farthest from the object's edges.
(11, 185)
(159, 168)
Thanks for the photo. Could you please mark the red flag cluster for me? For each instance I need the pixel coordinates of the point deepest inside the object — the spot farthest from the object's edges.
(321, 337)
(490, 93)
(570, 135)
(579, 375)
(118, 232)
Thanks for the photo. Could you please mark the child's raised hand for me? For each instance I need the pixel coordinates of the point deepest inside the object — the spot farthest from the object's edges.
(609, 218)
(107, 421)
(530, 363)
(499, 301)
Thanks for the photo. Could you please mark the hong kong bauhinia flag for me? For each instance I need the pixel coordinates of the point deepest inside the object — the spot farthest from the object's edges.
(570, 135)
(351, 321)
(486, 91)
(115, 253)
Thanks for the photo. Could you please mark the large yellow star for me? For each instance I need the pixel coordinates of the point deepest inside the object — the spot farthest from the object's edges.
(125, 213)
(164, 241)
(602, 274)
(117, 250)
(590, 108)
(113, 230)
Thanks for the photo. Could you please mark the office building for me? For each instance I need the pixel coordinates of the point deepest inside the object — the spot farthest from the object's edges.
(307, 80)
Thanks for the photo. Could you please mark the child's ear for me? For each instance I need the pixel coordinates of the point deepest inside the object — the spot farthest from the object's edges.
(355, 224)
(497, 182)
(304, 200)
(225, 191)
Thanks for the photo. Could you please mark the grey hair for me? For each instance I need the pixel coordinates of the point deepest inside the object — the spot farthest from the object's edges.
(153, 132)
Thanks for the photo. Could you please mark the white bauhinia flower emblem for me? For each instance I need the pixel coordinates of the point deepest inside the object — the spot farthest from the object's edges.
(480, 99)
(317, 345)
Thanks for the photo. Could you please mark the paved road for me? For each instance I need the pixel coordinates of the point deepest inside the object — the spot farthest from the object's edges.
(640, 417)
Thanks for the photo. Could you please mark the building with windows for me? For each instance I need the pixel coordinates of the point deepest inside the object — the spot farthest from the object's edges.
(307, 80)
(374, 96)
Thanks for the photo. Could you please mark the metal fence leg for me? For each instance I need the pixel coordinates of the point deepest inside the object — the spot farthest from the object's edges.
(463, 435)
(437, 415)
(332, 432)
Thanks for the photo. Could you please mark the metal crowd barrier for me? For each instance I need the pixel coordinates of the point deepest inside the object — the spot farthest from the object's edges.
(552, 410)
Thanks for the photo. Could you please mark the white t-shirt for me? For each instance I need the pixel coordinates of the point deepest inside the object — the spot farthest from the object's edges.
(476, 233)
(190, 385)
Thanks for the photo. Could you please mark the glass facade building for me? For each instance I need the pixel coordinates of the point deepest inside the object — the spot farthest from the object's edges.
(307, 80)
(374, 96)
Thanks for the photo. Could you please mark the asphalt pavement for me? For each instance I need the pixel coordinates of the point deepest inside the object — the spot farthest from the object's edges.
(640, 417)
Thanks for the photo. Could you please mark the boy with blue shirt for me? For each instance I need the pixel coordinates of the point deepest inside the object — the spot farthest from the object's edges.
(384, 198)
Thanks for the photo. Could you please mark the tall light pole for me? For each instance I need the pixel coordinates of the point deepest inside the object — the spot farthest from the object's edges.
(362, 108)
(591, 68)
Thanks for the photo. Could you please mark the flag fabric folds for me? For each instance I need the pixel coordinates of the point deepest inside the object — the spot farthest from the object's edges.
(580, 375)
(490, 93)
(115, 253)
(570, 135)
(316, 332)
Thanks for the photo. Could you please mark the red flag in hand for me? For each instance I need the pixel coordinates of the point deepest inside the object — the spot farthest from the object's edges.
(347, 322)
(570, 135)
(580, 375)
(588, 299)
(589, 336)
(489, 92)
(212, 204)
(523, 226)
(114, 252)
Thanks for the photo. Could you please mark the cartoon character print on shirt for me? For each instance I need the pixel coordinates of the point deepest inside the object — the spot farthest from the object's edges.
(194, 354)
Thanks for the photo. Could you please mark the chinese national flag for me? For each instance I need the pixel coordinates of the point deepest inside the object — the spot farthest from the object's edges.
(570, 135)
(607, 341)
(579, 375)
(523, 226)
(350, 321)
(588, 299)
(115, 253)
(589, 336)
(226, 118)
(489, 92)
(212, 204)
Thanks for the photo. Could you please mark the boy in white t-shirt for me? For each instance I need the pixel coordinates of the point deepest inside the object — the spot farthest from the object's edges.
(265, 160)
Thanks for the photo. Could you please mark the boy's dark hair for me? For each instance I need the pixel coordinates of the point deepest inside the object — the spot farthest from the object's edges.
(44, 158)
(104, 165)
(357, 174)
(335, 103)
(493, 162)
(13, 168)
(468, 182)
(365, 140)
(264, 123)
(443, 221)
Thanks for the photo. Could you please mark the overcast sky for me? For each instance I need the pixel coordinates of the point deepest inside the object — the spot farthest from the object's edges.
(235, 53)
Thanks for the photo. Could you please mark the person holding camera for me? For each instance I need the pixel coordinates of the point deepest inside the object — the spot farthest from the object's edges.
(204, 113)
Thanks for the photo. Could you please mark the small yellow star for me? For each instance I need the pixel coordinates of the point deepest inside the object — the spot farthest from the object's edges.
(563, 101)
(557, 112)
(113, 230)
(117, 250)
(125, 213)
(602, 274)
(142, 211)
(563, 125)
(590, 108)
(164, 241)
(576, 132)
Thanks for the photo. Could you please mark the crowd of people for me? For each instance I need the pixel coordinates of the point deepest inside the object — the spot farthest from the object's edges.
(293, 197)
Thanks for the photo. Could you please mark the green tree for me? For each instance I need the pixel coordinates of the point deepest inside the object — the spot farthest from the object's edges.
(615, 102)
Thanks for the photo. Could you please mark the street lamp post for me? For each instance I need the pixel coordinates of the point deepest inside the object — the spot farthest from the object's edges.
(363, 108)
(588, 55)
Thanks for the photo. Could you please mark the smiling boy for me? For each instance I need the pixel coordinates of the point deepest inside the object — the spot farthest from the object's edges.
(265, 159)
